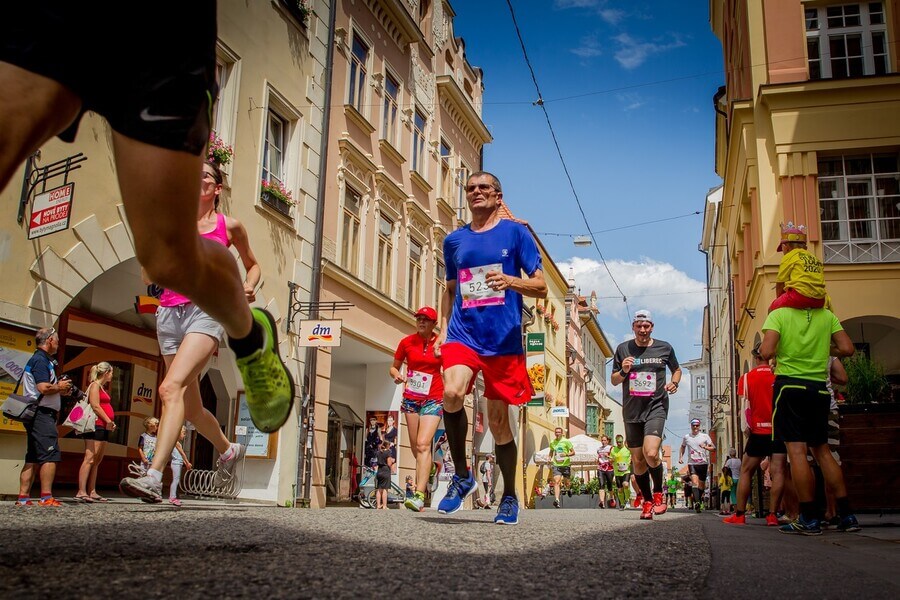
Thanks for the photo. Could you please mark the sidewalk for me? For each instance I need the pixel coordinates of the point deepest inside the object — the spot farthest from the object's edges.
(832, 565)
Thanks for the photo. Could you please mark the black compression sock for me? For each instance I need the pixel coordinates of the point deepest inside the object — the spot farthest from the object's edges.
(656, 473)
(246, 346)
(843, 507)
(697, 494)
(457, 425)
(506, 461)
(643, 482)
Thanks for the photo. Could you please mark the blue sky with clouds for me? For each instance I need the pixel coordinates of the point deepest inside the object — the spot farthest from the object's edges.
(628, 87)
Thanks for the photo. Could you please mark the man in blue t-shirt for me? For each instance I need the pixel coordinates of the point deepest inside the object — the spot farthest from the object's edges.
(42, 442)
(481, 330)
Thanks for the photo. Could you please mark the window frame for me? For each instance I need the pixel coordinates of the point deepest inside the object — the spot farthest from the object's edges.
(389, 130)
(851, 236)
(821, 33)
(357, 90)
(384, 254)
(419, 139)
(415, 268)
(349, 246)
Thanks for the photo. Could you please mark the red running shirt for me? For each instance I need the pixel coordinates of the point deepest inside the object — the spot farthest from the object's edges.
(423, 368)
(757, 384)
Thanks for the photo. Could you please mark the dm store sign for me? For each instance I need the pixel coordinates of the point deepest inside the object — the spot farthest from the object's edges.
(319, 333)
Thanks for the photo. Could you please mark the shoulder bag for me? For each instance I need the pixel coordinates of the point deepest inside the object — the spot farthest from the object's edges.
(82, 417)
(20, 408)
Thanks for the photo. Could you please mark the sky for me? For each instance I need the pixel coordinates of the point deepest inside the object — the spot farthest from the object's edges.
(628, 88)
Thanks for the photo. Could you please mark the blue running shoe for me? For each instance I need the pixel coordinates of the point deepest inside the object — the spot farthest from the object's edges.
(508, 513)
(802, 526)
(849, 524)
(457, 492)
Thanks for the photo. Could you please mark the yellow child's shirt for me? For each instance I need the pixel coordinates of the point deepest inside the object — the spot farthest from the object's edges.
(725, 484)
(802, 272)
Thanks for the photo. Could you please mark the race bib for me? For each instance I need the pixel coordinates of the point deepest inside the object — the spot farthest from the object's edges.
(697, 456)
(418, 384)
(475, 289)
(642, 384)
(622, 467)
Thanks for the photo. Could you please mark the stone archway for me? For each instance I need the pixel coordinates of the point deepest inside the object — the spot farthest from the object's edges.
(880, 335)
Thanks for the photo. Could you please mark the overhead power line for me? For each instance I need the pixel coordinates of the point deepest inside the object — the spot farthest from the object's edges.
(540, 102)
(641, 224)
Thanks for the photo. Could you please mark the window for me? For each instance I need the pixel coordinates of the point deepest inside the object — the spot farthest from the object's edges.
(359, 58)
(391, 103)
(440, 280)
(461, 194)
(414, 289)
(609, 429)
(350, 231)
(385, 255)
(847, 40)
(418, 145)
(447, 181)
(859, 206)
(592, 421)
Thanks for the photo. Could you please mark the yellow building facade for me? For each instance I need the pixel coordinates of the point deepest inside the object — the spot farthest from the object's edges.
(808, 131)
(84, 280)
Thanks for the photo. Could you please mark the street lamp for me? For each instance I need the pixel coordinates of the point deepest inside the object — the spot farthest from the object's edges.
(582, 240)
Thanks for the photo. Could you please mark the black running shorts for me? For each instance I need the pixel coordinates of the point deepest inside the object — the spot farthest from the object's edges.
(149, 69)
(800, 411)
(700, 470)
(654, 425)
(760, 445)
(43, 440)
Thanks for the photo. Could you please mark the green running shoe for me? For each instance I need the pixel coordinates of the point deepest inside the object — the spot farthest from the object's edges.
(416, 502)
(269, 387)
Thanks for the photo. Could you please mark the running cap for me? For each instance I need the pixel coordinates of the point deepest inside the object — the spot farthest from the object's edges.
(791, 233)
(427, 312)
(642, 315)
(695, 421)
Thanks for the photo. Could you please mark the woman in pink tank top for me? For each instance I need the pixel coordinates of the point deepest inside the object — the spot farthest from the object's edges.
(187, 333)
(95, 442)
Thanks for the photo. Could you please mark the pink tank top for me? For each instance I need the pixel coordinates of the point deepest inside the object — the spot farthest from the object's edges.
(219, 234)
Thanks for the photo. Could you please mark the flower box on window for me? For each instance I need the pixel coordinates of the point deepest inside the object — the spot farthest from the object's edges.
(274, 194)
(299, 9)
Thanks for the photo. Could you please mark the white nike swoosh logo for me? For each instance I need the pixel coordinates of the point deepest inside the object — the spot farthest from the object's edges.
(146, 116)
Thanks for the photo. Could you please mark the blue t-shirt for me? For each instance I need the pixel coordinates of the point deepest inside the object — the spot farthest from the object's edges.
(490, 328)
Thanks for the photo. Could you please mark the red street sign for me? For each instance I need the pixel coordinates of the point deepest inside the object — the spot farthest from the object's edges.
(50, 211)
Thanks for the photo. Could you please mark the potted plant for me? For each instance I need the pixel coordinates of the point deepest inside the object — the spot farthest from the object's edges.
(274, 194)
(218, 151)
(299, 8)
(869, 428)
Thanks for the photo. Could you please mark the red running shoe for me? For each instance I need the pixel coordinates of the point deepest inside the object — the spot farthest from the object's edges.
(659, 504)
(736, 520)
(647, 511)
(772, 520)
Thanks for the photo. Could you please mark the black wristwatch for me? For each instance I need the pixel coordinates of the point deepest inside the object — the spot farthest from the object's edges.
(624, 373)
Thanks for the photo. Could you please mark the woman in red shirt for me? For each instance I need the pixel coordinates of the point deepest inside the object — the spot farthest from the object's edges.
(423, 396)
(95, 441)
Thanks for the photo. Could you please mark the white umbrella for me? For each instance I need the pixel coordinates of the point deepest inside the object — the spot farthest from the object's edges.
(585, 451)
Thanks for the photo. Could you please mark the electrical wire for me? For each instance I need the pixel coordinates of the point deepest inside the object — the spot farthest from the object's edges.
(540, 102)
(572, 235)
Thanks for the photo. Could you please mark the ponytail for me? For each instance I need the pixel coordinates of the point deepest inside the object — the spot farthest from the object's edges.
(99, 370)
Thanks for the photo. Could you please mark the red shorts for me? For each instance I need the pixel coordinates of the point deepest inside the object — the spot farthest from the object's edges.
(505, 377)
(794, 299)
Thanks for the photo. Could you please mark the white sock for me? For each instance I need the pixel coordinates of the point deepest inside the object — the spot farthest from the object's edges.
(156, 475)
(230, 453)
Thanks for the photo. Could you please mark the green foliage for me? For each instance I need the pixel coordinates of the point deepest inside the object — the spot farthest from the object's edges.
(866, 383)
(593, 486)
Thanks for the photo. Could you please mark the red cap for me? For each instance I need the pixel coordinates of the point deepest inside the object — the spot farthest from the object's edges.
(427, 312)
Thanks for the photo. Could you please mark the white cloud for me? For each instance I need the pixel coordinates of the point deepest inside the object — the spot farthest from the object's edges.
(631, 101)
(564, 4)
(613, 16)
(589, 48)
(649, 284)
(633, 53)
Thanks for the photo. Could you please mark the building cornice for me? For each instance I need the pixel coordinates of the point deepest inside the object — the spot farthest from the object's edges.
(465, 114)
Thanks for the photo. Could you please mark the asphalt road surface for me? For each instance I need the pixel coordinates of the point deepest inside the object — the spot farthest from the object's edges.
(126, 549)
